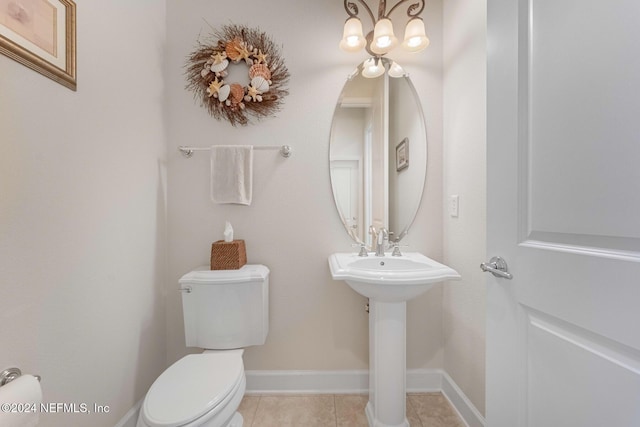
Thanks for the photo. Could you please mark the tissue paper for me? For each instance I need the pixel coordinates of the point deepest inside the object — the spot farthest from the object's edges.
(23, 394)
(228, 232)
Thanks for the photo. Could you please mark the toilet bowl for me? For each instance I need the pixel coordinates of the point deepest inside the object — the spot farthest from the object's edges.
(201, 390)
(224, 311)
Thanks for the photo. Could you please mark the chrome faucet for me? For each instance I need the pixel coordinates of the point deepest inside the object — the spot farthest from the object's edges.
(382, 234)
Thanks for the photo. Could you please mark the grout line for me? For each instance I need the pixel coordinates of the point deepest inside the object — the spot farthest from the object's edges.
(414, 410)
(253, 419)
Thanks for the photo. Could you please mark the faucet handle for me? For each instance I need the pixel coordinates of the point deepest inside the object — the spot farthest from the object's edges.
(396, 248)
(363, 249)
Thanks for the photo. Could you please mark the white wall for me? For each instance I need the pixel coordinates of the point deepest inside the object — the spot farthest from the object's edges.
(82, 215)
(465, 175)
(292, 225)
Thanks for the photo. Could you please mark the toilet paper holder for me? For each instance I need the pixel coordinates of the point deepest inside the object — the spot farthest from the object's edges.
(11, 374)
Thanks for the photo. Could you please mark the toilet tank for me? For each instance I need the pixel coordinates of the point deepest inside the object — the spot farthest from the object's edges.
(226, 309)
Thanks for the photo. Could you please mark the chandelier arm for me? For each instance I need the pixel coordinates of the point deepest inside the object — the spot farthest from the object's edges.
(352, 9)
(394, 7)
(366, 6)
(382, 9)
(411, 9)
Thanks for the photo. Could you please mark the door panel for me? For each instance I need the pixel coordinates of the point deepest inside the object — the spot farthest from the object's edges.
(559, 356)
(581, 112)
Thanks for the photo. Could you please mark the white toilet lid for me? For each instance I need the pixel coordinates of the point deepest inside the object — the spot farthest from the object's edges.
(192, 387)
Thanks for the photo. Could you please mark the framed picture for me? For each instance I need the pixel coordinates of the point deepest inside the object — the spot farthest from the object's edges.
(41, 34)
(402, 155)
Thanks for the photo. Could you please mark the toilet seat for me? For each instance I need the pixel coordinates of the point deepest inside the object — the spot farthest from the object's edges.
(198, 385)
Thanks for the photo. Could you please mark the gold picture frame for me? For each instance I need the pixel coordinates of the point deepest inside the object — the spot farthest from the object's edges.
(41, 34)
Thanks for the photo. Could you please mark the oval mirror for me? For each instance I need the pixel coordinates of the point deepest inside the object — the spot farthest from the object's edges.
(378, 153)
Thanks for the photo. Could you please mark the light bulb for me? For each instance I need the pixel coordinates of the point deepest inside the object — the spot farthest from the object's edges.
(384, 41)
(414, 42)
(353, 41)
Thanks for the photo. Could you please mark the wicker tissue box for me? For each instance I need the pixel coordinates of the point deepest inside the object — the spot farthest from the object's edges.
(228, 255)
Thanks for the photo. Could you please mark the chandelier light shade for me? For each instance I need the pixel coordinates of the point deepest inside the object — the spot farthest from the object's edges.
(396, 70)
(352, 38)
(381, 39)
(415, 38)
(372, 68)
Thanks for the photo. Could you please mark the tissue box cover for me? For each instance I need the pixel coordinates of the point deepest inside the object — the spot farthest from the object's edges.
(228, 255)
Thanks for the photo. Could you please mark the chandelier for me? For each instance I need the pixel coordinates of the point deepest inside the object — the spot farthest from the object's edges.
(381, 40)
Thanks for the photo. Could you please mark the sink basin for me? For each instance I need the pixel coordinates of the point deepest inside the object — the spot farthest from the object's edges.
(389, 278)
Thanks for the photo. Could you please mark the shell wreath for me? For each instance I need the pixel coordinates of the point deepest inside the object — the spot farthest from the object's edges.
(208, 67)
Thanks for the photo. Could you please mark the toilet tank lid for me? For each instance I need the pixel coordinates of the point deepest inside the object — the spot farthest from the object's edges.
(205, 276)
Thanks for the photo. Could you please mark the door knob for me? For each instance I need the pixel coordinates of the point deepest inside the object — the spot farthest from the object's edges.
(498, 267)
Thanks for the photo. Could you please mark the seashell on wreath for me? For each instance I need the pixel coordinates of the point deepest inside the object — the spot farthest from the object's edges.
(261, 70)
(236, 94)
(260, 83)
(238, 46)
(233, 49)
(223, 93)
(221, 66)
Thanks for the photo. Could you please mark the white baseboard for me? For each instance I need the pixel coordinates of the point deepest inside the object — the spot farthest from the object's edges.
(332, 382)
(307, 382)
(466, 410)
(130, 419)
(357, 382)
(345, 382)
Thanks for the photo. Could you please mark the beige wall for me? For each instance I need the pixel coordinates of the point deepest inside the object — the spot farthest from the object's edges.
(82, 215)
(465, 171)
(83, 245)
(292, 225)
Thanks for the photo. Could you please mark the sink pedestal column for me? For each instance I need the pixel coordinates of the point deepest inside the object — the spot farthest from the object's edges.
(387, 364)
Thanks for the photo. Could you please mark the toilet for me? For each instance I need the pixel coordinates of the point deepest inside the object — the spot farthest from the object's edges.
(224, 311)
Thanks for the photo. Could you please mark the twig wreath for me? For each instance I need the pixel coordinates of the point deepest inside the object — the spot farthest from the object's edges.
(235, 44)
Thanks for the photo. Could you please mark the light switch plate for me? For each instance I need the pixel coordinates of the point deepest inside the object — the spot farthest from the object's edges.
(454, 202)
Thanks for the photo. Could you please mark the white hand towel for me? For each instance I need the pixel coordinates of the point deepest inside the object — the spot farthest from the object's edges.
(232, 174)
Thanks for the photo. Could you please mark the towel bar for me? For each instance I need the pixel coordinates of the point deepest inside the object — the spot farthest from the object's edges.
(285, 150)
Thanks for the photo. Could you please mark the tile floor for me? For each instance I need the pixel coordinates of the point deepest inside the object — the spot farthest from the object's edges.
(340, 410)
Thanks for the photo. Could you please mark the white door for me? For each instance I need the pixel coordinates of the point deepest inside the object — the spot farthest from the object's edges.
(563, 337)
(347, 190)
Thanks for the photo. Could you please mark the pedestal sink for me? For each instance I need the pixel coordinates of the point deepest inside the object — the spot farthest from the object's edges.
(389, 282)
